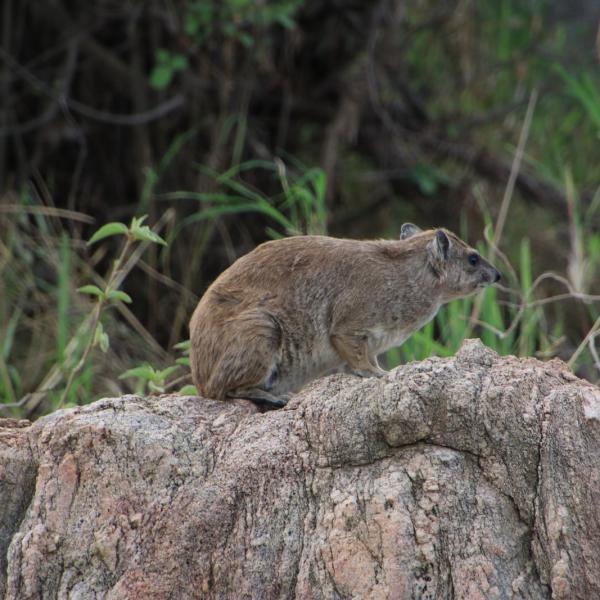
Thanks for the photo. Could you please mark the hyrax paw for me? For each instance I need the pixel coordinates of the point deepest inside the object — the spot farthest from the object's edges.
(368, 372)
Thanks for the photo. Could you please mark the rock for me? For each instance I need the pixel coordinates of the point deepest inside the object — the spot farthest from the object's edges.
(470, 477)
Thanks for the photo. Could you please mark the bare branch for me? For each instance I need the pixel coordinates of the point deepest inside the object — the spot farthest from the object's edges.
(48, 211)
(589, 337)
(130, 120)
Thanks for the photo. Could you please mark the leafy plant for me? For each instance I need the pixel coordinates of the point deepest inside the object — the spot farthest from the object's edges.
(184, 347)
(238, 20)
(156, 380)
(167, 64)
(147, 375)
(136, 232)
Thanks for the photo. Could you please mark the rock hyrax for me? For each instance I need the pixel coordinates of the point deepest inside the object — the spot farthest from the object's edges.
(295, 308)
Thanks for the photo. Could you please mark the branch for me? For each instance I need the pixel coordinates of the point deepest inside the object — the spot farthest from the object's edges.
(133, 119)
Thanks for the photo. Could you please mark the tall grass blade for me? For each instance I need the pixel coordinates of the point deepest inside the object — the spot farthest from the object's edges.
(64, 295)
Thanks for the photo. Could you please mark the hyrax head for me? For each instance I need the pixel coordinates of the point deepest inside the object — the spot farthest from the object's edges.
(460, 269)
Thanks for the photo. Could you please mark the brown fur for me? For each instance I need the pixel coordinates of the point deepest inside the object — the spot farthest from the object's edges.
(296, 308)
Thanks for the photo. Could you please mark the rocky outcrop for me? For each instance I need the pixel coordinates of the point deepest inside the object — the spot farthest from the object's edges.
(471, 477)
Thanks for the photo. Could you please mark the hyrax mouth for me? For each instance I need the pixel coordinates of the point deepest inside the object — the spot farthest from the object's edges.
(489, 279)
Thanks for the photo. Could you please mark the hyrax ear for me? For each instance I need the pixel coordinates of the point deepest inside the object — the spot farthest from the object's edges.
(440, 246)
(408, 230)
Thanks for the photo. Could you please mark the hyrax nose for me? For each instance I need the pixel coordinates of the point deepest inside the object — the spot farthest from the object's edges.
(497, 277)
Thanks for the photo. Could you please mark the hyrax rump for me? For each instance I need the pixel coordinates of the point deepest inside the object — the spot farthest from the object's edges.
(295, 308)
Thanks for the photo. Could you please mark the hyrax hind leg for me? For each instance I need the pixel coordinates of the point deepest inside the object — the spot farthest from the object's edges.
(353, 348)
(248, 364)
(260, 396)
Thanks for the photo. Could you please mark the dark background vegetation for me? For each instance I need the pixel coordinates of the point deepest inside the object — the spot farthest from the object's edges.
(231, 121)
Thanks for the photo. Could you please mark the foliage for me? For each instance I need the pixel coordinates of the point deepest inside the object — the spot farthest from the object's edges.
(72, 355)
(135, 232)
(232, 122)
(233, 18)
(238, 20)
(147, 375)
(298, 208)
(167, 64)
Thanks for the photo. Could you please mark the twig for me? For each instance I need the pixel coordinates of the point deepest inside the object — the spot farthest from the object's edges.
(523, 304)
(593, 352)
(113, 285)
(514, 171)
(48, 211)
(497, 252)
(18, 404)
(54, 108)
(488, 117)
(175, 382)
(130, 120)
(590, 335)
(508, 193)
(52, 380)
(32, 124)
(88, 111)
(170, 283)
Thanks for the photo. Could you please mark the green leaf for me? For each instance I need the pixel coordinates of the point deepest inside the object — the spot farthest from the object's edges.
(137, 221)
(206, 12)
(147, 235)
(188, 390)
(161, 76)
(108, 230)
(286, 21)
(162, 375)
(183, 361)
(246, 39)
(162, 55)
(119, 295)
(179, 62)
(155, 387)
(9, 333)
(93, 290)
(104, 342)
(151, 178)
(145, 372)
(185, 345)
(191, 24)
(229, 29)
(101, 338)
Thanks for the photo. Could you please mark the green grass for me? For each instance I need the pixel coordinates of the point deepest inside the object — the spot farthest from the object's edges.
(508, 327)
(505, 322)
(44, 323)
(63, 297)
(299, 207)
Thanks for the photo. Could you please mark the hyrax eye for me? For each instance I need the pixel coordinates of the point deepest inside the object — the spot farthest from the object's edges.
(473, 259)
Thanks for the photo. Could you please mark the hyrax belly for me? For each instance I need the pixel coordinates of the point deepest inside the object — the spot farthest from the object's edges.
(300, 362)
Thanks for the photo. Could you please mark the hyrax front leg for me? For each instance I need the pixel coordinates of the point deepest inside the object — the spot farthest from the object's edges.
(353, 348)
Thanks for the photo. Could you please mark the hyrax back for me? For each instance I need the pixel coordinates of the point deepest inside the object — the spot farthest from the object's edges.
(295, 308)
